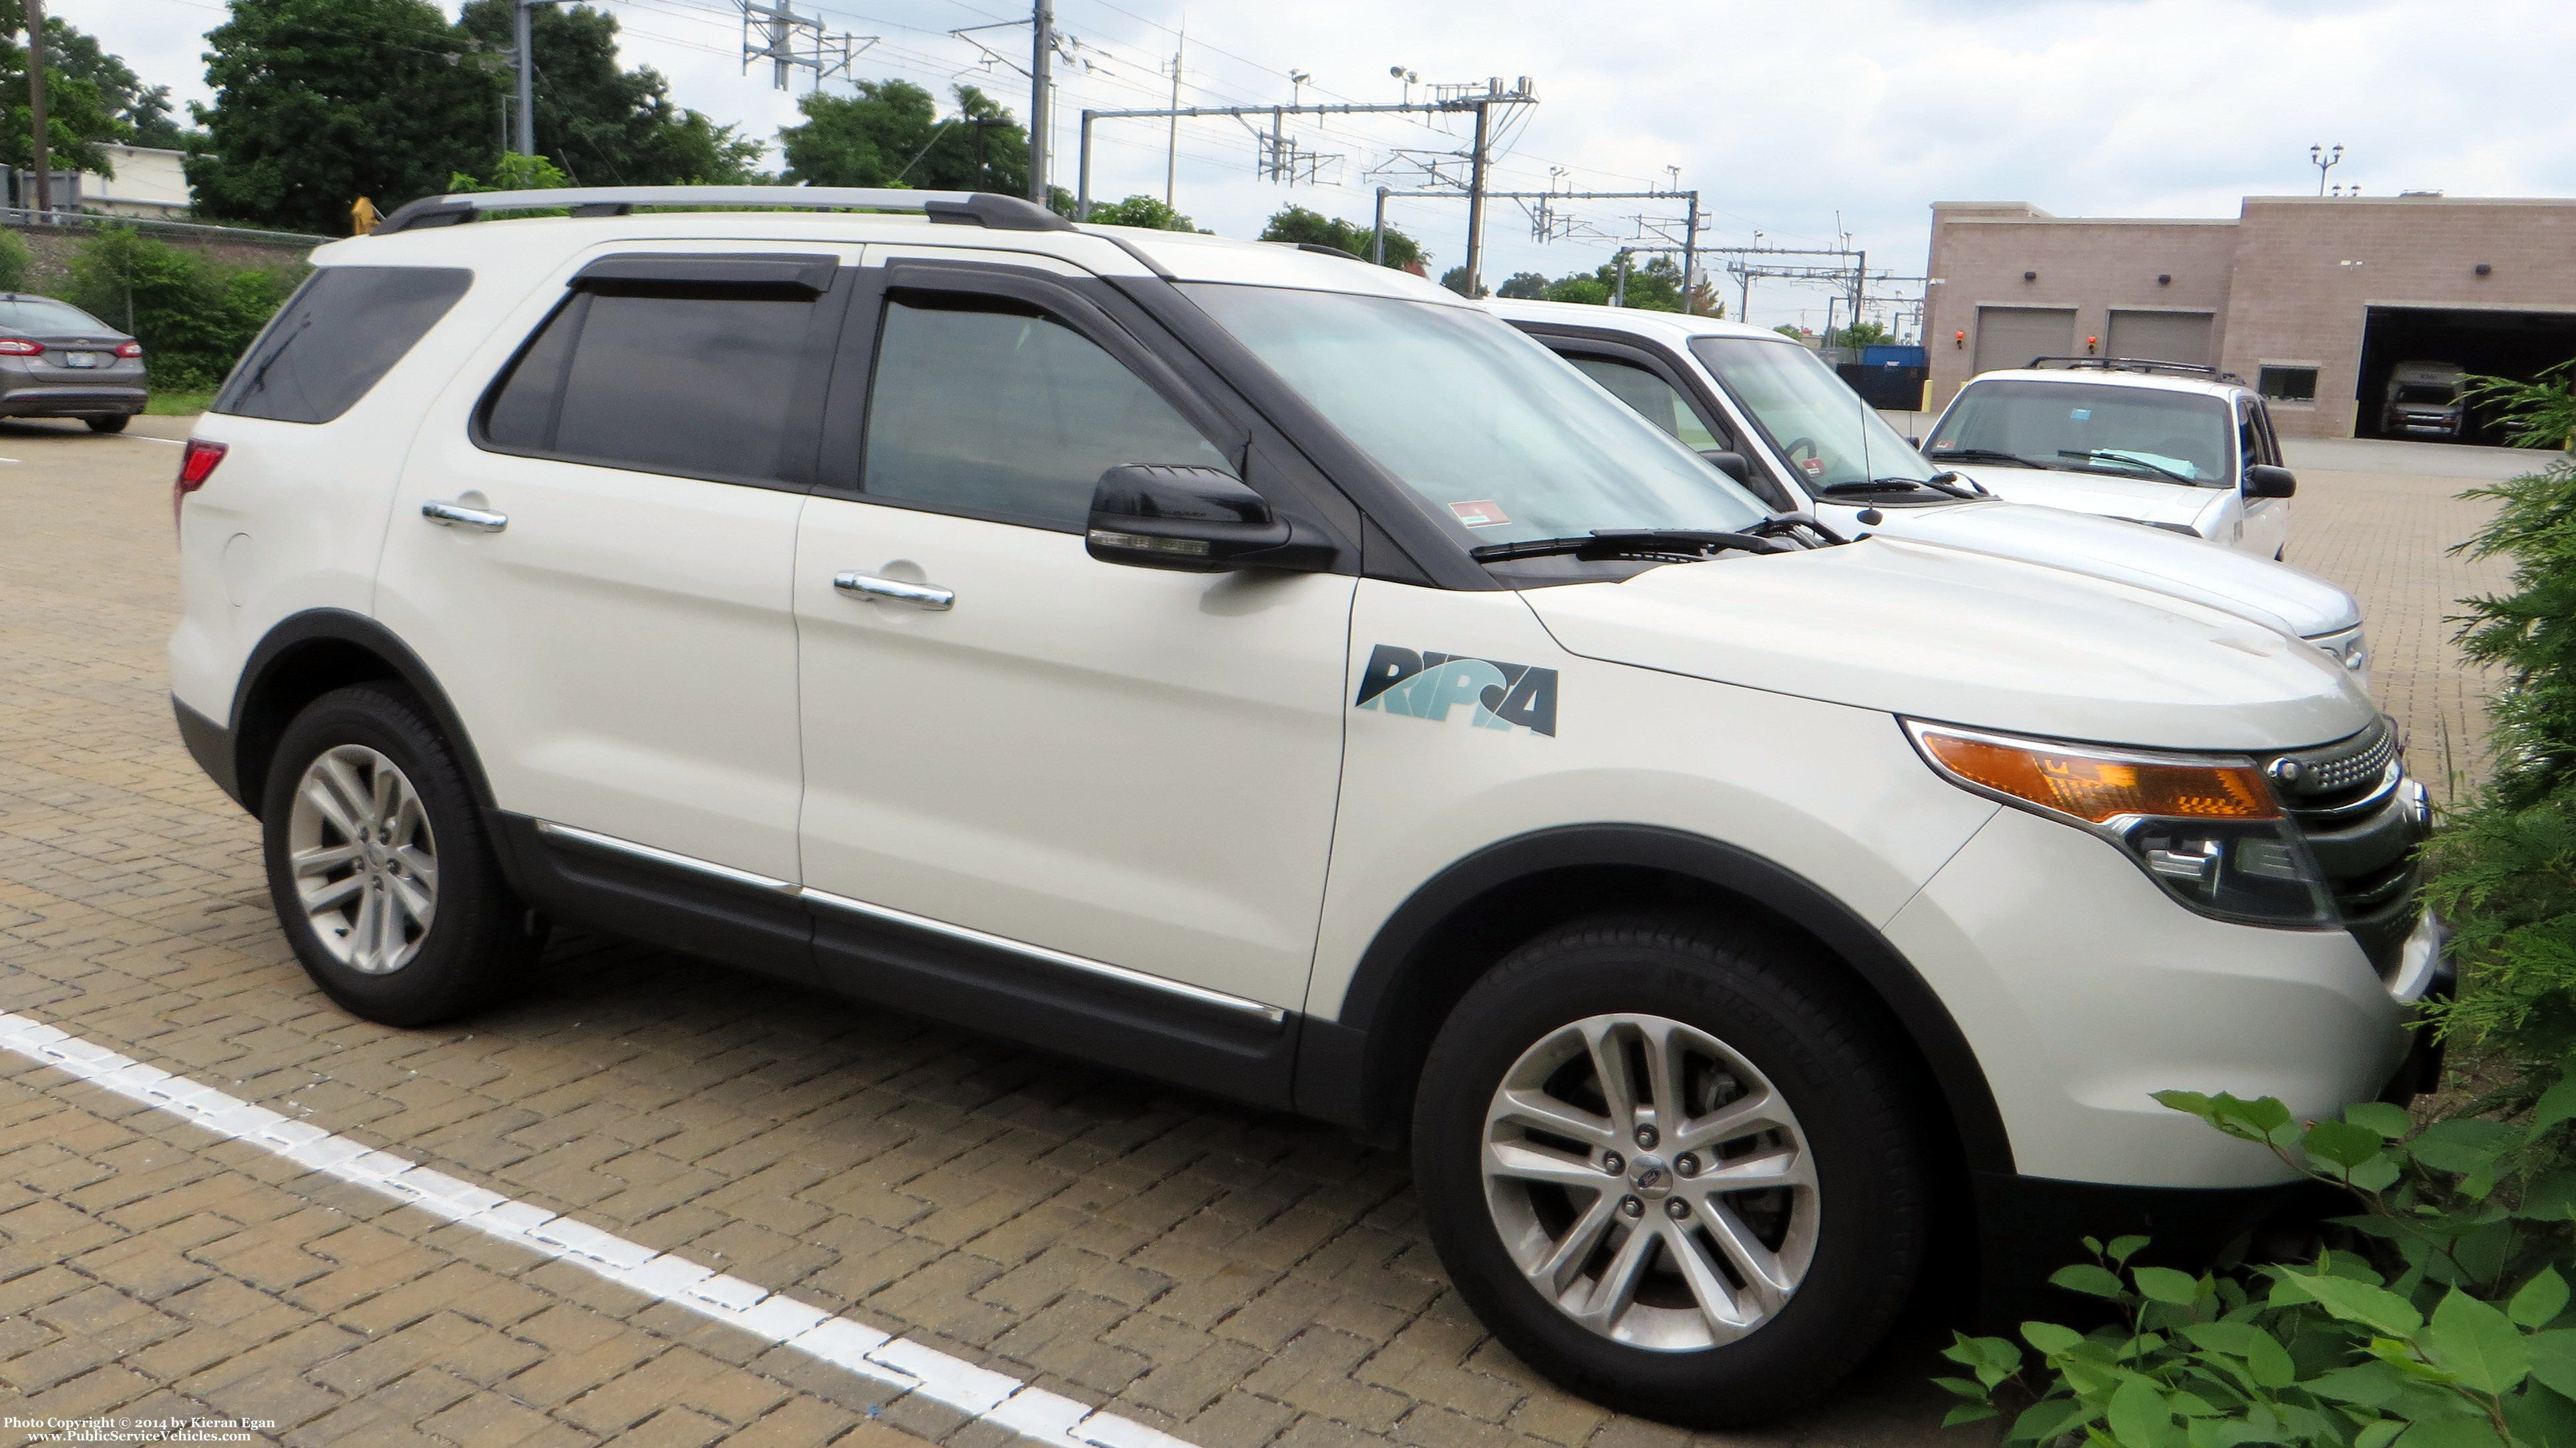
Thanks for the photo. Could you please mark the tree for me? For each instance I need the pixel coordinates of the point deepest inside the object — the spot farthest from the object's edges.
(1145, 211)
(145, 114)
(1786, 330)
(1524, 286)
(319, 102)
(1455, 279)
(1653, 287)
(77, 117)
(192, 314)
(605, 126)
(891, 134)
(1313, 228)
(1858, 334)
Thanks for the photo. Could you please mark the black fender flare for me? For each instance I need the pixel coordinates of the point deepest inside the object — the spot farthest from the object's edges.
(254, 732)
(1344, 1065)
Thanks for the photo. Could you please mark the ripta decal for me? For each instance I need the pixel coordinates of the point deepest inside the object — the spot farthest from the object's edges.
(1424, 685)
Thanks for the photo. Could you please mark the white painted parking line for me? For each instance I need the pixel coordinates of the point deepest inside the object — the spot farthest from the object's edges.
(164, 441)
(902, 1365)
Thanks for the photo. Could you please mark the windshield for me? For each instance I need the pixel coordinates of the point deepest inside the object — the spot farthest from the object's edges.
(2132, 431)
(44, 316)
(1496, 432)
(2424, 392)
(1810, 416)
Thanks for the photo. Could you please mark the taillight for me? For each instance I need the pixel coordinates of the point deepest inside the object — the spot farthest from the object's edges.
(196, 464)
(129, 349)
(12, 347)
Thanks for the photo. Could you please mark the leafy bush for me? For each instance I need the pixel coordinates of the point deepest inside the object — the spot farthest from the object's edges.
(2449, 1325)
(192, 314)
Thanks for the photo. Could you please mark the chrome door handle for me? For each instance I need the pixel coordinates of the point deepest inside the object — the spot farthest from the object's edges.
(444, 514)
(869, 589)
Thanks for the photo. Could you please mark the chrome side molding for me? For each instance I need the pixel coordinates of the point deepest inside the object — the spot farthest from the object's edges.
(886, 914)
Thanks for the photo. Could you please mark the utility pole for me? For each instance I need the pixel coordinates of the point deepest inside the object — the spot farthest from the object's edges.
(527, 138)
(1476, 162)
(36, 104)
(1377, 234)
(1172, 136)
(1619, 279)
(1041, 52)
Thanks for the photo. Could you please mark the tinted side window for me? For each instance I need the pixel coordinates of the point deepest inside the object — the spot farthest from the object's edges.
(340, 333)
(991, 408)
(1656, 400)
(697, 385)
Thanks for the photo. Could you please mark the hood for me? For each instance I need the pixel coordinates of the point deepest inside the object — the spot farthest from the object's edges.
(1939, 633)
(2273, 594)
(2144, 499)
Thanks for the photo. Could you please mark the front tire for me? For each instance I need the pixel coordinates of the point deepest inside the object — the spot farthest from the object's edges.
(383, 879)
(1671, 1163)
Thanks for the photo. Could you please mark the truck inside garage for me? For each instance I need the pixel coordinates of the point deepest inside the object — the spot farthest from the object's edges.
(2480, 342)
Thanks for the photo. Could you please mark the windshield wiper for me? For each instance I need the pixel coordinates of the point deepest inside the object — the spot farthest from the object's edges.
(1633, 542)
(2108, 455)
(1947, 484)
(1982, 455)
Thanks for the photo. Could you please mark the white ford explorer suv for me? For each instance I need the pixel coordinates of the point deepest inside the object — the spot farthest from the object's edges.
(2162, 443)
(1803, 441)
(1271, 673)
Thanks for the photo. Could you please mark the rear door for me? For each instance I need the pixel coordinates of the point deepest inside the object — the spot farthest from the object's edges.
(608, 605)
(1080, 803)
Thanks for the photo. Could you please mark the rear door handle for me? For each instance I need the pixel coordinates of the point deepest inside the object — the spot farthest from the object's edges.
(868, 589)
(445, 514)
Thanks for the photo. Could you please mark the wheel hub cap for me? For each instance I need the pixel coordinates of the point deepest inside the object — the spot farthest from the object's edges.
(364, 860)
(1586, 1141)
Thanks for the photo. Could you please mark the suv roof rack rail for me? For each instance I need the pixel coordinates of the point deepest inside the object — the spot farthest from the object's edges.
(957, 208)
(2138, 364)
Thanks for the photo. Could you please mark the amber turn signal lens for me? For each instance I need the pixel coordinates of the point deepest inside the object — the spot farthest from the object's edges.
(2097, 789)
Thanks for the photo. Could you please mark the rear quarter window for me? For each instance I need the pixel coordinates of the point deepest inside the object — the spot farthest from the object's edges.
(341, 332)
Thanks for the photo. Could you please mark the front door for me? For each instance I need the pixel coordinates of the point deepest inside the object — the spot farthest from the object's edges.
(1031, 776)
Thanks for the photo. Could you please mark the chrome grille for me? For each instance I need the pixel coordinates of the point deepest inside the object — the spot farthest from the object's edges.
(2363, 819)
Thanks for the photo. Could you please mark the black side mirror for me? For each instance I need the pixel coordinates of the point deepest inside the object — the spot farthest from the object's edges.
(1191, 520)
(1915, 442)
(1730, 463)
(2266, 481)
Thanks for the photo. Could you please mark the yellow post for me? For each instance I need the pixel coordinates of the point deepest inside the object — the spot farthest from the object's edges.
(362, 217)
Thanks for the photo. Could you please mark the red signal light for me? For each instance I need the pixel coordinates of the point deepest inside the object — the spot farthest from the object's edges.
(129, 349)
(12, 347)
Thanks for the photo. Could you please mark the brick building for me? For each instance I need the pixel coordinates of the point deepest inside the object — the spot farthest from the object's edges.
(2313, 298)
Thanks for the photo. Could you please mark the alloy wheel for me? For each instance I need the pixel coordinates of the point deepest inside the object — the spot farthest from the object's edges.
(364, 861)
(1650, 1183)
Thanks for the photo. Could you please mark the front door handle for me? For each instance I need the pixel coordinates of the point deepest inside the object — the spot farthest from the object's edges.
(445, 514)
(868, 588)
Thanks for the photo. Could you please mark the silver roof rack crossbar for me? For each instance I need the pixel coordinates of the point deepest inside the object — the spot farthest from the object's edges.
(959, 208)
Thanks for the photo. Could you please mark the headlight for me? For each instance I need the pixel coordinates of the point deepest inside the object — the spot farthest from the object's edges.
(2204, 827)
(2350, 648)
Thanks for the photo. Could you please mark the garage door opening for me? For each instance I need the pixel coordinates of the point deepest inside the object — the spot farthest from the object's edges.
(2011, 336)
(2407, 354)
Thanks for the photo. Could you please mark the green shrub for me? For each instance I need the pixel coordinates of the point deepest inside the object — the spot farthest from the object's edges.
(192, 314)
(2449, 1325)
(17, 261)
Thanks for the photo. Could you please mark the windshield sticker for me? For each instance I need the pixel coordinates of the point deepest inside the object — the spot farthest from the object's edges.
(1425, 685)
(1815, 467)
(2081, 414)
(1482, 513)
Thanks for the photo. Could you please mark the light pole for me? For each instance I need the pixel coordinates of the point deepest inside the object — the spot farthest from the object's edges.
(2324, 160)
(1406, 76)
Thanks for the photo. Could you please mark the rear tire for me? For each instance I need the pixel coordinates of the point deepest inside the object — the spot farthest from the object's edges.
(108, 424)
(1760, 1137)
(382, 877)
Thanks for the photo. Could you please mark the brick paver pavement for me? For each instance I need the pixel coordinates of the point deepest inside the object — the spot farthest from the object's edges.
(1231, 1277)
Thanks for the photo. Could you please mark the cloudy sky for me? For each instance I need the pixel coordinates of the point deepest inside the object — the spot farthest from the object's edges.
(1791, 119)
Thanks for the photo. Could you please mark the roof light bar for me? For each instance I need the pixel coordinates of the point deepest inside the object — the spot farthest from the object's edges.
(958, 208)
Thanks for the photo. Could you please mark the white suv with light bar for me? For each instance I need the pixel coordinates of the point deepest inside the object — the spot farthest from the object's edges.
(1271, 673)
